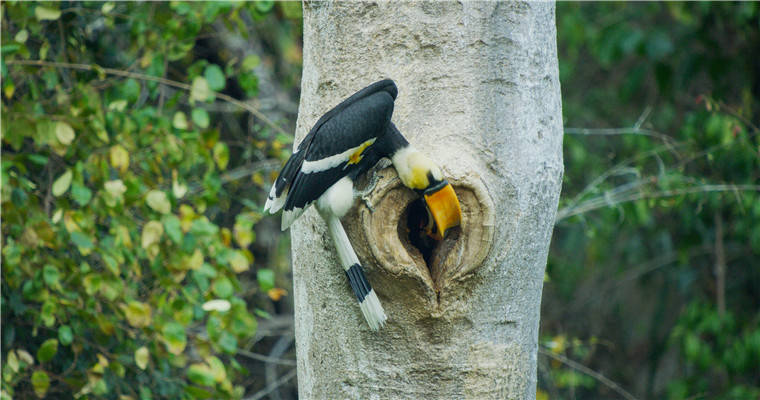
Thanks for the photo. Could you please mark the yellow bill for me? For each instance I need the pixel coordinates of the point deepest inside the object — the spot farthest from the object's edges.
(443, 206)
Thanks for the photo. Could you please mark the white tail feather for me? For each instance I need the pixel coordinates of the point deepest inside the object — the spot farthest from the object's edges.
(370, 306)
(373, 311)
(275, 203)
(346, 252)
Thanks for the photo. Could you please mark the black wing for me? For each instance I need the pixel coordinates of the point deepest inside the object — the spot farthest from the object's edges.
(334, 146)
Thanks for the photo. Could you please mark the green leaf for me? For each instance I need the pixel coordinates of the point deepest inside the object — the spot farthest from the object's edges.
(200, 117)
(40, 383)
(47, 313)
(47, 351)
(202, 227)
(221, 155)
(217, 368)
(107, 7)
(228, 342)
(158, 201)
(45, 13)
(65, 336)
(291, 9)
(173, 228)
(174, 337)
(142, 357)
(252, 61)
(222, 287)
(64, 133)
(264, 5)
(265, 277)
(61, 185)
(12, 361)
(81, 194)
(215, 77)
(81, 240)
(201, 374)
(38, 159)
(50, 275)
(21, 36)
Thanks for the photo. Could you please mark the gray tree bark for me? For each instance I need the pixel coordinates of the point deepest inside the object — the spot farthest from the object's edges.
(479, 93)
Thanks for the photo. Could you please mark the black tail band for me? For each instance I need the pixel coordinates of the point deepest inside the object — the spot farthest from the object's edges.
(358, 282)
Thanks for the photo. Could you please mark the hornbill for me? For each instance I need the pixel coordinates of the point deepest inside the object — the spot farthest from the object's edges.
(344, 144)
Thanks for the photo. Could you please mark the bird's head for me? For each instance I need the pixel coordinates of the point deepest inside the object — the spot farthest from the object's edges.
(420, 173)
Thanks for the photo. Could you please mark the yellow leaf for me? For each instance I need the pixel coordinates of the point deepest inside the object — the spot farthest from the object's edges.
(119, 157)
(238, 262)
(29, 237)
(138, 314)
(123, 238)
(64, 133)
(61, 185)
(152, 232)
(226, 236)
(180, 120)
(24, 356)
(21, 36)
(57, 215)
(9, 89)
(195, 262)
(200, 90)
(258, 179)
(107, 7)
(141, 357)
(186, 217)
(276, 293)
(221, 155)
(158, 201)
(178, 189)
(100, 367)
(118, 105)
(114, 192)
(558, 344)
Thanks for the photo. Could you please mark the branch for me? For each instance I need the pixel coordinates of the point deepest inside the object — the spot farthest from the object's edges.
(263, 392)
(634, 130)
(266, 359)
(144, 77)
(588, 371)
(609, 201)
(241, 172)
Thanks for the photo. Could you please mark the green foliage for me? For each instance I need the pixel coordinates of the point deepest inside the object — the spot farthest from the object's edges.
(660, 180)
(117, 216)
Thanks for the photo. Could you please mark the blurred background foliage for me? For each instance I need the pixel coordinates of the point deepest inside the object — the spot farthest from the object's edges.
(139, 141)
(132, 183)
(653, 279)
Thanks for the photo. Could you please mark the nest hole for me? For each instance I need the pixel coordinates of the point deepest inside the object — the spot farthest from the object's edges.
(413, 232)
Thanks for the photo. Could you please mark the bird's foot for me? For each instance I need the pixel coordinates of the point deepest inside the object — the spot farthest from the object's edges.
(367, 191)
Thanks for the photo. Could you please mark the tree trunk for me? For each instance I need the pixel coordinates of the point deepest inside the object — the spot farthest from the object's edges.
(479, 93)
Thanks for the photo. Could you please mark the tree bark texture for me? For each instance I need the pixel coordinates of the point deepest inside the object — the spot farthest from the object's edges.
(479, 93)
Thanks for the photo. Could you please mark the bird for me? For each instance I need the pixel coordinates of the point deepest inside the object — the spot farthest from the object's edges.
(343, 145)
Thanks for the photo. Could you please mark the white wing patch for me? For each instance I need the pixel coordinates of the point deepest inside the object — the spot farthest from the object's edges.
(333, 161)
